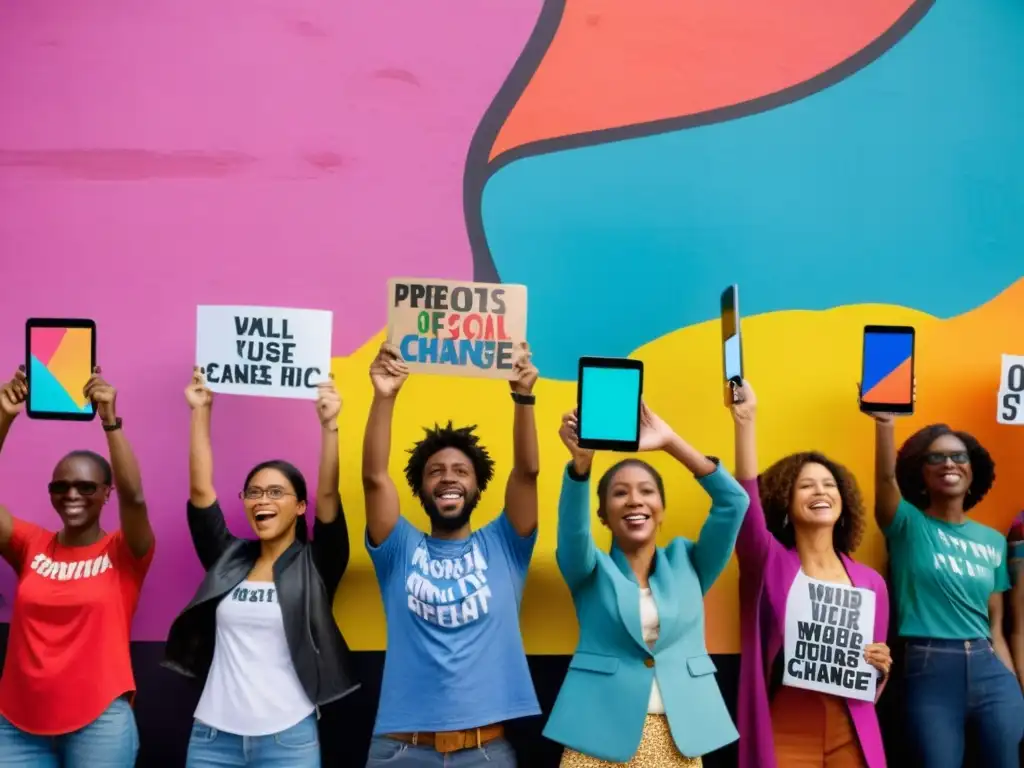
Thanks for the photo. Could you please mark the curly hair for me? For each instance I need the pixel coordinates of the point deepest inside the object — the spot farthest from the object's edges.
(439, 438)
(910, 466)
(776, 485)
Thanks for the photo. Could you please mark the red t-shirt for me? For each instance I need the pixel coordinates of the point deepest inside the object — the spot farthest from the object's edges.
(67, 653)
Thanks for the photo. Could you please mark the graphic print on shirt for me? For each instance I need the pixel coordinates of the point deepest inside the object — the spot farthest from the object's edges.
(448, 592)
(70, 571)
(251, 594)
(965, 558)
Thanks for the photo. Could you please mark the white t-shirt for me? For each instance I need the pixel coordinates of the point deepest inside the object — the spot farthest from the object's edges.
(252, 689)
(651, 625)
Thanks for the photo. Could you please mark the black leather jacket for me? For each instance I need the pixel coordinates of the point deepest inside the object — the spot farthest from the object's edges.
(306, 577)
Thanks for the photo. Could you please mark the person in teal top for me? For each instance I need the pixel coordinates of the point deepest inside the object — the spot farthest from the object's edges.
(949, 574)
(641, 686)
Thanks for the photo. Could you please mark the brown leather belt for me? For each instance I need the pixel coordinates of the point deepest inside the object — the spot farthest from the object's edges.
(452, 741)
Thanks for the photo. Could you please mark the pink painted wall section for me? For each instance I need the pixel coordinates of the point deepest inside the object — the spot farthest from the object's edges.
(159, 155)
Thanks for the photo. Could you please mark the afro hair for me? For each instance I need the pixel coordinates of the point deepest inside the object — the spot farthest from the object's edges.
(910, 466)
(439, 438)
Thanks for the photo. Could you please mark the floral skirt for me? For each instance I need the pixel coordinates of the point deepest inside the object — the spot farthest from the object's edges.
(657, 750)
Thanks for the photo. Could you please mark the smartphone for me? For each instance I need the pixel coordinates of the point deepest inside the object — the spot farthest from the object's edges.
(608, 395)
(732, 346)
(887, 376)
(60, 355)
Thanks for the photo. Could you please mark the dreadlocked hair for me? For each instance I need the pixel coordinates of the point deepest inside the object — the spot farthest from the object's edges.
(439, 438)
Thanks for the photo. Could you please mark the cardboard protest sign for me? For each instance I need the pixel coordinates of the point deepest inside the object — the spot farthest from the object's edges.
(264, 351)
(456, 328)
(1010, 401)
(827, 628)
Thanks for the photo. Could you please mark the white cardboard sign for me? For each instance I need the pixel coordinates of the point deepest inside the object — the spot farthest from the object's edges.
(1010, 401)
(827, 627)
(264, 351)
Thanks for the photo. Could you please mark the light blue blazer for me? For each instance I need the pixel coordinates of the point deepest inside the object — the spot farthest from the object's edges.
(602, 705)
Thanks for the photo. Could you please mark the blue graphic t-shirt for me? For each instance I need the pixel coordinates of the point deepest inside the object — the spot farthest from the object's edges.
(455, 657)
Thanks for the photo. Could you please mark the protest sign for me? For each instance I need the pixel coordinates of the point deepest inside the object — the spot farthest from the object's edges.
(264, 351)
(827, 628)
(1010, 401)
(456, 328)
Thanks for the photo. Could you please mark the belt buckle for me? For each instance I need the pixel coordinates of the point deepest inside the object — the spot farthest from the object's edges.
(449, 741)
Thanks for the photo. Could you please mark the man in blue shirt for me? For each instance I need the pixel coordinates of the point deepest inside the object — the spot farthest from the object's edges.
(455, 668)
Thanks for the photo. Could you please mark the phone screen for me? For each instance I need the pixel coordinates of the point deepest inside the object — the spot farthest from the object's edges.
(60, 361)
(610, 404)
(888, 377)
(731, 349)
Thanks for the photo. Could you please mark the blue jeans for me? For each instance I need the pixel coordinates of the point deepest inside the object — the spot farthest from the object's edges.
(295, 747)
(950, 683)
(388, 753)
(109, 741)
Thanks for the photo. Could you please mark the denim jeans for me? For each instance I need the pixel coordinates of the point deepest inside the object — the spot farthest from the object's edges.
(953, 683)
(109, 741)
(389, 753)
(295, 747)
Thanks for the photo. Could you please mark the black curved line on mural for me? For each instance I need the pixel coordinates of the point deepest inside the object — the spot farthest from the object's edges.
(478, 158)
(483, 263)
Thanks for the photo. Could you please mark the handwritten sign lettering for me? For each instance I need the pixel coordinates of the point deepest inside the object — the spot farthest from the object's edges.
(456, 328)
(264, 351)
(827, 628)
(1010, 401)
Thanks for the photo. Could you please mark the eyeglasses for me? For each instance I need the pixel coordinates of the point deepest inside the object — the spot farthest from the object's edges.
(957, 457)
(255, 494)
(84, 487)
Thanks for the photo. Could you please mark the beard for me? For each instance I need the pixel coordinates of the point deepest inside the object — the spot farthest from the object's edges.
(442, 522)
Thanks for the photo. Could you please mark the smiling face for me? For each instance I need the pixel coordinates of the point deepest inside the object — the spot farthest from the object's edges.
(947, 468)
(271, 504)
(632, 506)
(78, 492)
(815, 500)
(449, 492)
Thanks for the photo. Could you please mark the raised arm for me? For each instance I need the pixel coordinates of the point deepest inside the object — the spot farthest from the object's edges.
(387, 373)
(12, 403)
(887, 491)
(575, 551)
(131, 503)
(330, 533)
(754, 541)
(713, 548)
(210, 534)
(521, 505)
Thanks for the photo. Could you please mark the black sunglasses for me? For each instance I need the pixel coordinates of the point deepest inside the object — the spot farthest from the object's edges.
(84, 487)
(957, 457)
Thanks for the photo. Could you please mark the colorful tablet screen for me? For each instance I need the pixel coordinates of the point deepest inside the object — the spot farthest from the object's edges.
(60, 363)
(611, 404)
(888, 368)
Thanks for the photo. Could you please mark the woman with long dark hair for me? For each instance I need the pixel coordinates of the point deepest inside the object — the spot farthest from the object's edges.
(805, 521)
(67, 686)
(949, 574)
(260, 631)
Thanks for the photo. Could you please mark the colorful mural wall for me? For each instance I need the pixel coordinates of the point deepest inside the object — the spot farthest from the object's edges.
(854, 164)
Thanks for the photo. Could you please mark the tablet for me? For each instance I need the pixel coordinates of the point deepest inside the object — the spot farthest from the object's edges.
(60, 355)
(732, 345)
(608, 397)
(887, 374)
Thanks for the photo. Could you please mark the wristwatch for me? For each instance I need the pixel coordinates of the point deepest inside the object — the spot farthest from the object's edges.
(113, 427)
(521, 399)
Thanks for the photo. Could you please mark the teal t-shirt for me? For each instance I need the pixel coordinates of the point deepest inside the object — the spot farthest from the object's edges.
(944, 574)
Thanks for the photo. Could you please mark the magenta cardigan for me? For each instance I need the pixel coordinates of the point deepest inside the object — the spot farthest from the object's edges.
(767, 571)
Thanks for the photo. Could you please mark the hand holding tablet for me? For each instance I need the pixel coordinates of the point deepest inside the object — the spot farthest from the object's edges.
(60, 356)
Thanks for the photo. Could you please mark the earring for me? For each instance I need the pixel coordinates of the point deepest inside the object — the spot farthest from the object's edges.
(785, 520)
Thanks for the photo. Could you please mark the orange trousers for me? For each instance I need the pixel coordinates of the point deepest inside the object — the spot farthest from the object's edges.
(813, 730)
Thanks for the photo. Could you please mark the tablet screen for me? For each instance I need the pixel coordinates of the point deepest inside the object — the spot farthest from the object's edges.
(60, 364)
(610, 404)
(888, 367)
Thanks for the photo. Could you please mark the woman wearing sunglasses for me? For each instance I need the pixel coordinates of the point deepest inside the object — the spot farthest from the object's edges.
(67, 683)
(949, 574)
(260, 631)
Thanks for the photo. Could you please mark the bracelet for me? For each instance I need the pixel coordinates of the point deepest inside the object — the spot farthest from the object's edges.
(521, 399)
(113, 427)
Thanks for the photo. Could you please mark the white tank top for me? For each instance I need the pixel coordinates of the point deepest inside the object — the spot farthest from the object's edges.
(252, 688)
(651, 625)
